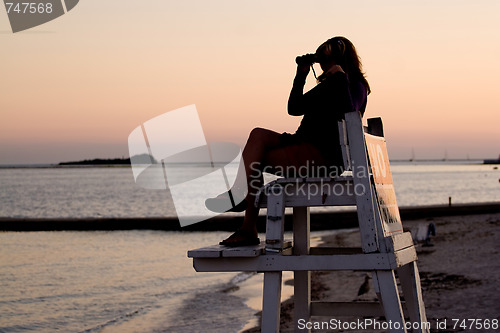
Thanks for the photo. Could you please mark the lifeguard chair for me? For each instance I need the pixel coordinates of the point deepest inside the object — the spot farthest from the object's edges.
(385, 250)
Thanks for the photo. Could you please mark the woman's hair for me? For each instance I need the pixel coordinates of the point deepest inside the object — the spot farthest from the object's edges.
(343, 52)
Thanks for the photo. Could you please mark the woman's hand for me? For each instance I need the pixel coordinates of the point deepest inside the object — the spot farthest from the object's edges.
(303, 69)
(304, 63)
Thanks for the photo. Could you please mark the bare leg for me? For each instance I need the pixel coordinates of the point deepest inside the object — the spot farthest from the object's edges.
(259, 143)
(256, 156)
(261, 151)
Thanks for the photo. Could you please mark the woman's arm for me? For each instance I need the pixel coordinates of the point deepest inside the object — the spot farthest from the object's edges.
(331, 98)
(296, 98)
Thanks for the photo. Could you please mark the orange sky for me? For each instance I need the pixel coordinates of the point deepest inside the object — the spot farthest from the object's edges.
(75, 88)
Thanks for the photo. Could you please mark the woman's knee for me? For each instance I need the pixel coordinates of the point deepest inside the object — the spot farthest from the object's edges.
(259, 134)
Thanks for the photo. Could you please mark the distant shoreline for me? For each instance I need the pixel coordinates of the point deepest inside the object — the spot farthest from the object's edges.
(99, 161)
(108, 163)
(319, 220)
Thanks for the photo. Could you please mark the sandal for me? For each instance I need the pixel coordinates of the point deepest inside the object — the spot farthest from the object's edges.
(240, 238)
(225, 202)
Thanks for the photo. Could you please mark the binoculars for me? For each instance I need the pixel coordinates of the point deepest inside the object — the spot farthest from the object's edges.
(307, 59)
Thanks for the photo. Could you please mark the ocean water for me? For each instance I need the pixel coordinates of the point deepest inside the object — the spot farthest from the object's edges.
(77, 193)
(142, 281)
(432, 183)
(123, 281)
(111, 192)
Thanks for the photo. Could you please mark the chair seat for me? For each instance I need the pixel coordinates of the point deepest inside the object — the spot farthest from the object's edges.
(221, 251)
(320, 259)
(311, 192)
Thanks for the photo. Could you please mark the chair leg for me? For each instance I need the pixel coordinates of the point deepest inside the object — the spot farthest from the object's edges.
(271, 302)
(410, 283)
(302, 279)
(302, 294)
(385, 285)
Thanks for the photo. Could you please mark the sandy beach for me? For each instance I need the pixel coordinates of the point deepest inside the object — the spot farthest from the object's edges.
(460, 274)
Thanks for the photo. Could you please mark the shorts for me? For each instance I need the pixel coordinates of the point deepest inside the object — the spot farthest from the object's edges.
(297, 158)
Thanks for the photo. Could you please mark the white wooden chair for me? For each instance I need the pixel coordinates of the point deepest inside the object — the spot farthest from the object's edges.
(386, 249)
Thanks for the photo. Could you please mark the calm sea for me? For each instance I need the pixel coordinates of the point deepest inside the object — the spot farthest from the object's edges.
(111, 192)
(124, 281)
(142, 281)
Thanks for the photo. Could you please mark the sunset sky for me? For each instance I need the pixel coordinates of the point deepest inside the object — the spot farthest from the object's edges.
(74, 88)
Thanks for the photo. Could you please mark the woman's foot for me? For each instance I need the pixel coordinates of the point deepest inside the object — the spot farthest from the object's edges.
(241, 238)
(226, 202)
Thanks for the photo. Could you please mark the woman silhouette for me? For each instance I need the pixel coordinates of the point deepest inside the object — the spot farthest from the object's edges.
(315, 146)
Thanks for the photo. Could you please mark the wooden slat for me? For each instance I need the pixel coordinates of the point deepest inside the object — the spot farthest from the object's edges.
(398, 259)
(344, 145)
(405, 256)
(217, 251)
(340, 184)
(383, 246)
(399, 241)
(410, 284)
(275, 220)
(271, 301)
(244, 251)
(364, 201)
(302, 279)
(214, 251)
(385, 284)
(266, 263)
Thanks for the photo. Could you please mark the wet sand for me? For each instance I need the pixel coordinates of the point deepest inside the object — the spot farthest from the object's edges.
(460, 273)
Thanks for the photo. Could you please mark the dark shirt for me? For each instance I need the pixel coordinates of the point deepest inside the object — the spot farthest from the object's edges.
(322, 107)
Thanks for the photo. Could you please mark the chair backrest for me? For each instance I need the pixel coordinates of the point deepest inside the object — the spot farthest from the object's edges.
(378, 212)
(344, 145)
(374, 127)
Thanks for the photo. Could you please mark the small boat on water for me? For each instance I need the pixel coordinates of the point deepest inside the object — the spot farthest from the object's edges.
(494, 161)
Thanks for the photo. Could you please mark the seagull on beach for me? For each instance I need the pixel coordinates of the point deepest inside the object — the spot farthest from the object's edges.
(365, 287)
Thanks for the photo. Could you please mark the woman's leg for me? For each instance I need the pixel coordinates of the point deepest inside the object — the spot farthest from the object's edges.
(273, 159)
(263, 153)
(260, 142)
